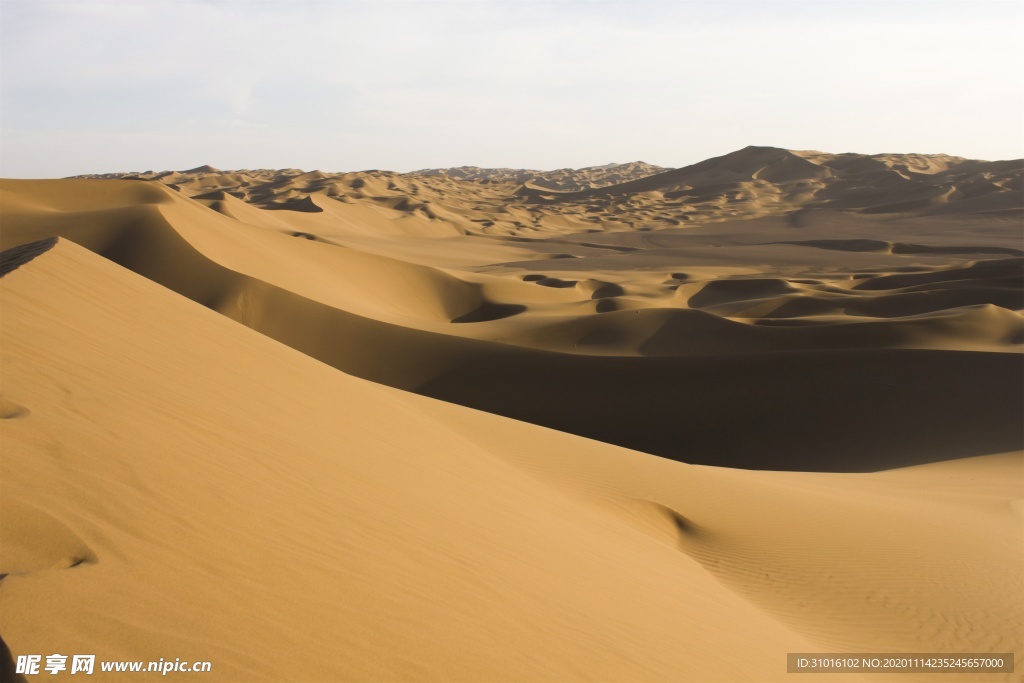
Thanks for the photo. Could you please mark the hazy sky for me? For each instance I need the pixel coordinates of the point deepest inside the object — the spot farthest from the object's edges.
(89, 87)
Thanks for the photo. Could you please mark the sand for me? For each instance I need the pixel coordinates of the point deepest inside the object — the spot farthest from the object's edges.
(621, 423)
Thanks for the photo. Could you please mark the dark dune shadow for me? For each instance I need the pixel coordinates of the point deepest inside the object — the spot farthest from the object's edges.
(490, 311)
(14, 257)
(839, 411)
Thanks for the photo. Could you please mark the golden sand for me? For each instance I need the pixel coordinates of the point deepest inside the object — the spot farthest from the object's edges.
(222, 438)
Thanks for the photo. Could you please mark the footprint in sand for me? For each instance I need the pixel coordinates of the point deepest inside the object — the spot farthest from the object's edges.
(9, 410)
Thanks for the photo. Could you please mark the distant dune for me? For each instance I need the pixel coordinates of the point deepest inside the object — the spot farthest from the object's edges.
(222, 438)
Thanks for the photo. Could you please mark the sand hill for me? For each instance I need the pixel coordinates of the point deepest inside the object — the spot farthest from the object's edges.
(222, 438)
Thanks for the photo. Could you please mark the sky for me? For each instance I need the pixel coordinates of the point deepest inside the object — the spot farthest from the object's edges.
(95, 87)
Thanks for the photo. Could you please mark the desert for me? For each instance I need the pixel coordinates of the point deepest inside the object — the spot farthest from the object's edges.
(486, 341)
(617, 423)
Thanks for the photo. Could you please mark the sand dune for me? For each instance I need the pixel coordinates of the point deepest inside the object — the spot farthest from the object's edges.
(287, 498)
(600, 341)
(304, 505)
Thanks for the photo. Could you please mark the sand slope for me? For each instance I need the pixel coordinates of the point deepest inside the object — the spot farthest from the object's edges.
(265, 514)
